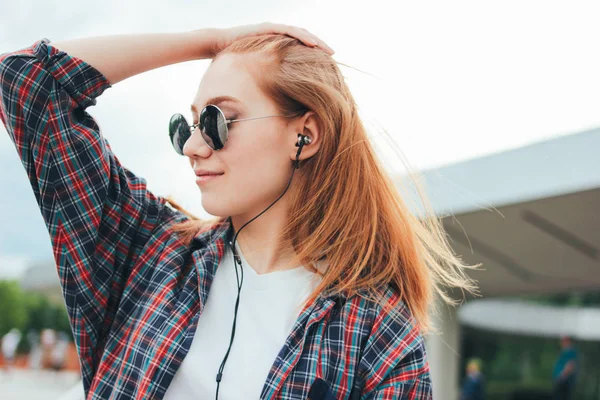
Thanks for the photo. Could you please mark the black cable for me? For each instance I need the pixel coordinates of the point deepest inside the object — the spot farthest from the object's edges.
(238, 262)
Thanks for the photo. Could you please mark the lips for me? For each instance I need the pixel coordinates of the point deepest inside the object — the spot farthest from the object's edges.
(204, 179)
(207, 173)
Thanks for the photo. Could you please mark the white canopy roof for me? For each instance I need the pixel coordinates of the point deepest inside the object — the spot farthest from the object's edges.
(519, 317)
(530, 215)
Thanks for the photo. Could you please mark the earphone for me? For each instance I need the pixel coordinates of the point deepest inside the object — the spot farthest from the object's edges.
(303, 140)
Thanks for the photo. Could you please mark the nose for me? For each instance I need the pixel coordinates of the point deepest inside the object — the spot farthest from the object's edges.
(195, 146)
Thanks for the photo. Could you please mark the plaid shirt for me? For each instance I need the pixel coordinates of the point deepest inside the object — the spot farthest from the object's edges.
(134, 291)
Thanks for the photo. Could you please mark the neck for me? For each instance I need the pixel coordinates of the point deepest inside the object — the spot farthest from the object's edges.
(260, 240)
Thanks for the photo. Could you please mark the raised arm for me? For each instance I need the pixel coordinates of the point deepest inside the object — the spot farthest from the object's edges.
(119, 57)
(99, 215)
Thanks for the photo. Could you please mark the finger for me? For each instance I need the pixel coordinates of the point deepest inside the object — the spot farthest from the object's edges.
(319, 43)
(303, 35)
(326, 48)
(297, 33)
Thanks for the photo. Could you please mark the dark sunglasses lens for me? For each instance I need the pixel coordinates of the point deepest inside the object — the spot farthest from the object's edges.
(213, 127)
(179, 132)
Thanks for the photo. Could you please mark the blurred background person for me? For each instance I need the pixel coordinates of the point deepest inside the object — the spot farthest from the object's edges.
(473, 385)
(47, 343)
(565, 371)
(9, 347)
(35, 349)
(58, 354)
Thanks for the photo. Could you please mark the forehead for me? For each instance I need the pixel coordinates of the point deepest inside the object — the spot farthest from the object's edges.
(228, 76)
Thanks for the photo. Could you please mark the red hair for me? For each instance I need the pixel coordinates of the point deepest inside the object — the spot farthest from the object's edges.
(345, 207)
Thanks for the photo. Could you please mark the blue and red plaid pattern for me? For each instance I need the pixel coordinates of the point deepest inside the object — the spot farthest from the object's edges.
(134, 291)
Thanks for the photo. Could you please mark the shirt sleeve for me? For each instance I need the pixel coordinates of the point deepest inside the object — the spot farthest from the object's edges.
(419, 389)
(99, 215)
(394, 357)
(408, 380)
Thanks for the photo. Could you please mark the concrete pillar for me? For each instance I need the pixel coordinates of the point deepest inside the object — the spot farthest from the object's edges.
(443, 351)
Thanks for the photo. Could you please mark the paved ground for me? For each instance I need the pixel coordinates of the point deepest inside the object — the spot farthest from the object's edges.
(19, 384)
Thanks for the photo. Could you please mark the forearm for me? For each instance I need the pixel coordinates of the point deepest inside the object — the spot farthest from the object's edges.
(119, 57)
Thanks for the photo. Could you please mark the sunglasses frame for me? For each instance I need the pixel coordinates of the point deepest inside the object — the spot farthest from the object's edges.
(227, 123)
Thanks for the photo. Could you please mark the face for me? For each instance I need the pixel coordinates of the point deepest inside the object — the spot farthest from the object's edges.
(472, 368)
(255, 162)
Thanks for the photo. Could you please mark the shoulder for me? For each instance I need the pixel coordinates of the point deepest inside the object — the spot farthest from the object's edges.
(394, 330)
(389, 318)
(394, 349)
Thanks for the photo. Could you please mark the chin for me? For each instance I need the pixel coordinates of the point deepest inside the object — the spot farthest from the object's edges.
(214, 207)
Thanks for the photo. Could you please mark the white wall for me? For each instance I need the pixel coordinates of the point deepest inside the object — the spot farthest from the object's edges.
(443, 350)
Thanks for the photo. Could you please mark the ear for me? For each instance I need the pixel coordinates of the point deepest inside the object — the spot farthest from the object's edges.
(309, 125)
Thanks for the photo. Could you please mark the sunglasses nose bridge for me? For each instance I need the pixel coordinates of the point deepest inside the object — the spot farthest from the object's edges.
(195, 131)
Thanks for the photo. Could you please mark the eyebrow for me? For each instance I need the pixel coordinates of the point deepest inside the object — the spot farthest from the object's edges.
(216, 101)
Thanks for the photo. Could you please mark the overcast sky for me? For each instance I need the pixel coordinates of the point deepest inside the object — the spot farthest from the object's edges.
(448, 80)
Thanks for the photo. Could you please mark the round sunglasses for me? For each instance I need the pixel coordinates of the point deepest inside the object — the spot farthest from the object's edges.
(213, 127)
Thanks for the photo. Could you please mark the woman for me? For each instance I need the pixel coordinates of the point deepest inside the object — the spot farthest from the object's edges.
(324, 295)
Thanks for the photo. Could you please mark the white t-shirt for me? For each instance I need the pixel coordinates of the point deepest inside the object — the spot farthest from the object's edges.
(269, 306)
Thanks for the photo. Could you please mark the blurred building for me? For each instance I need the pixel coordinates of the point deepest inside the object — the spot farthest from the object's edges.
(530, 216)
(42, 277)
(516, 316)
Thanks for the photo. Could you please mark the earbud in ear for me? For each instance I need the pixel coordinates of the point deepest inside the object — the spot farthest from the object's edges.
(303, 139)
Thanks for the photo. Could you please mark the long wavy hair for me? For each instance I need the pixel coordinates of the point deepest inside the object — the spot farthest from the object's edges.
(345, 207)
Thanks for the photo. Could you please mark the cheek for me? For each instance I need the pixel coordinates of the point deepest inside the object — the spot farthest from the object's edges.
(257, 159)
(257, 170)
(257, 147)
